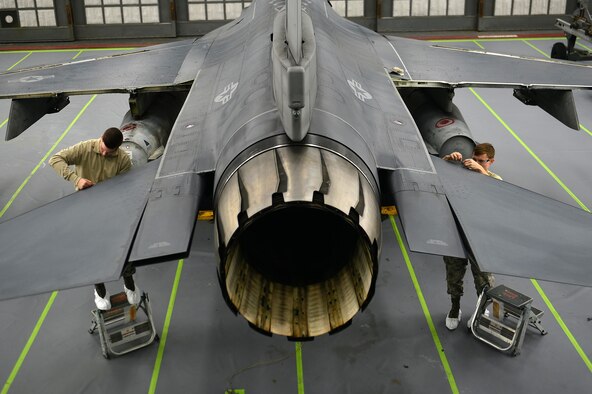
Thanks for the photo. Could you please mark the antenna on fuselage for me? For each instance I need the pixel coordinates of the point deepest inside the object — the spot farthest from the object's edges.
(294, 28)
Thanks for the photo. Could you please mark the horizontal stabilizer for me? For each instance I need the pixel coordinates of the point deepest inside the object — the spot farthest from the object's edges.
(559, 104)
(167, 226)
(25, 112)
(426, 217)
(78, 240)
(513, 231)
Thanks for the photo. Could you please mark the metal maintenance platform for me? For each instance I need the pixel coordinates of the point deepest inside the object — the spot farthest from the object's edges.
(399, 344)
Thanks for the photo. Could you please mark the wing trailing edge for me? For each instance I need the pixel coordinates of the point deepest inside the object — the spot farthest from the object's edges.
(78, 240)
(514, 231)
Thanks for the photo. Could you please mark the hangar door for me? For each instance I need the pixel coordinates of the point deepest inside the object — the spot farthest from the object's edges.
(63, 20)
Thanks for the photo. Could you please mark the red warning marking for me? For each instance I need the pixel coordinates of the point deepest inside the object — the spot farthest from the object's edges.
(444, 122)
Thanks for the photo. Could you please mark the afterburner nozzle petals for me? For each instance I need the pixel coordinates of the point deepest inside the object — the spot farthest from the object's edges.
(297, 245)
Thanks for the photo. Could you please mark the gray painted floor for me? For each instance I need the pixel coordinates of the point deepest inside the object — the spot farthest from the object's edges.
(389, 348)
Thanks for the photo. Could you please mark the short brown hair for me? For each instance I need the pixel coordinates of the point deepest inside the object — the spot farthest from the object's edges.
(112, 138)
(486, 148)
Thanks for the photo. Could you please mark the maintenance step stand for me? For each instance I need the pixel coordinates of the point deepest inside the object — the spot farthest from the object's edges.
(497, 329)
(120, 329)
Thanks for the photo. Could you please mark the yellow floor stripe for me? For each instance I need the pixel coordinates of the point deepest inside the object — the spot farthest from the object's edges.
(425, 309)
(541, 163)
(534, 282)
(536, 49)
(566, 330)
(584, 46)
(32, 337)
(17, 63)
(165, 330)
(3, 123)
(41, 319)
(20, 188)
(585, 129)
(478, 44)
(299, 369)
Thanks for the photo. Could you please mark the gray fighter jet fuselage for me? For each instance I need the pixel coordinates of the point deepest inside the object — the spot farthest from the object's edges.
(295, 146)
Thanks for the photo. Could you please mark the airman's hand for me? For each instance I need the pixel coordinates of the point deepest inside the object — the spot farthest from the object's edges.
(474, 166)
(84, 183)
(454, 156)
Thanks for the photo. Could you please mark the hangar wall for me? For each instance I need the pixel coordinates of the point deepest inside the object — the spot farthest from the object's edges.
(67, 20)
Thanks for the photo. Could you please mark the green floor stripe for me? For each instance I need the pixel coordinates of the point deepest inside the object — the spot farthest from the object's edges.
(496, 39)
(3, 123)
(534, 282)
(17, 63)
(78, 54)
(584, 46)
(562, 325)
(478, 44)
(536, 49)
(20, 188)
(165, 329)
(25, 351)
(425, 309)
(299, 371)
(581, 127)
(527, 148)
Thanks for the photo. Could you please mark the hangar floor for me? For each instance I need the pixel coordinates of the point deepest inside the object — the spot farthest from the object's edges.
(399, 344)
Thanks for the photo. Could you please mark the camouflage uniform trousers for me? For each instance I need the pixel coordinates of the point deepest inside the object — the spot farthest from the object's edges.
(128, 271)
(455, 272)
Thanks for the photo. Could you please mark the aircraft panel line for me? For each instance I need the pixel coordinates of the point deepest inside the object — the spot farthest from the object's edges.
(424, 307)
(165, 329)
(402, 62)
(166, 148)
(558, 318)
(32, 337)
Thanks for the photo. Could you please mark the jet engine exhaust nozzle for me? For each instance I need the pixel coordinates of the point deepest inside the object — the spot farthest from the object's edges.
(298, 246)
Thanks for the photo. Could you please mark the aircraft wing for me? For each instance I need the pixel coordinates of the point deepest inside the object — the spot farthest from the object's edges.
(56, 245)
(156, 67)
(514, 231)
(431, 64)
